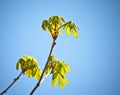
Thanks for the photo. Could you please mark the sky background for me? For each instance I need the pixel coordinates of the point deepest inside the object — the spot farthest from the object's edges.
(94, 57)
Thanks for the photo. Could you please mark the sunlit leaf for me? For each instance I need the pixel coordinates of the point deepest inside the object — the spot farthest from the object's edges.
(57, 20)
(58, 68)
(75, 34)
(66, 81)
(68, 30)
(52, 58)
(61, 83)
(51, 19)
(59, 31)
(18, 66)
(20, 63)
(62, 19)
(67, 68)
(51, 28)
(28, 73)
(63, 72)
(38, 74)
(33, 72)
(45, 24)
(55, 78)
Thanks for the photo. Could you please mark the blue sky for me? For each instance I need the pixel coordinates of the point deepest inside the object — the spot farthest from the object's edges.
(94, 57)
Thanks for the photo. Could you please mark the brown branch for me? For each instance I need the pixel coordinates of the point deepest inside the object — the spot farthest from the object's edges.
(15, 79)
(38, 83)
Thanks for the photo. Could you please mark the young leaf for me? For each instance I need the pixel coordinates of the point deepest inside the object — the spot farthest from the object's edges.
(58, 68)
(20, 63)
(55, 78)
(66, 81)
(38, 74)
(75, 34)
(45, 24)
(67, 68)
(62, 19)
(61, 83)
(52, 58)
(63, 72)
(33, 72)
(68, 30)
(18, 66)
(27, 73)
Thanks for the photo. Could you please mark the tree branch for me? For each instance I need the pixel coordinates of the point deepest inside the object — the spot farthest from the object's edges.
(38, 83)
(46, 76)
(15, 79)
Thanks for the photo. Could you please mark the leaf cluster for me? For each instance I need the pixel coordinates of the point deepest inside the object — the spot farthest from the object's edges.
(52, 25)
(59, 70)
(71, 28)
(29, 66)
(56, 23)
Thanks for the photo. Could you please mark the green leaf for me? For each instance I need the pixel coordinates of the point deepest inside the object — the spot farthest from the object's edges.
(18, 66)
(61, 83)
(57, 20)
(51, 19)
(59, 31)
(20, 63)
(38, 74)
(51, 27)
(58, 68)
(28, 73)
(55, 78)
(66, 81)
(52, 58)
(68, 30)
(62, 19)
(67, 68)
(33, 72)
(75, 34)
(63, 72)
(45, 24)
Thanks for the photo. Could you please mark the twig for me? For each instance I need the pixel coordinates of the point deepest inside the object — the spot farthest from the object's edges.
(15, 79)
(38, 83)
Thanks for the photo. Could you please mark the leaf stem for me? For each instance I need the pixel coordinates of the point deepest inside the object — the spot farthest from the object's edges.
(63, 25)
(38, 83)
(15, 79)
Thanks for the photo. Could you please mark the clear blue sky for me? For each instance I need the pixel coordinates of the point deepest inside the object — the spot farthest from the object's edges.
(94, 57)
